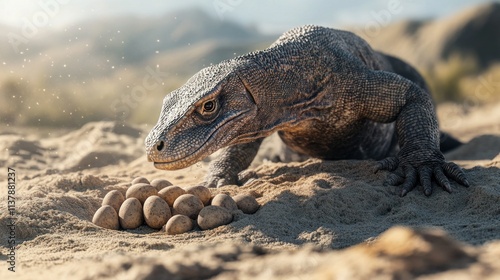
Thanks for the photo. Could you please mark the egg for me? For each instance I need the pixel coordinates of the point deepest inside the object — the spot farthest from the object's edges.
(159, 184)
(138, 180)
(141, 191)
(188, 204)
(224, 200)
(246, 203)
(171, 193)
(201, 192)
(213, 216)
(178, 224)
(156, 212)
(106, 217)
(113, 198)
(130, 214)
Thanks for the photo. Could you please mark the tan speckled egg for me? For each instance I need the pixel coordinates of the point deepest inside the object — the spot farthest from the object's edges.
(141, 191)
(224, 200)
(246, 203)
(106, 217)
(156, 212)
(178, 224)
(138, 180)
(201, 192)
(170, 194)
(130, 214)
(159, 184)
(113, 198)
(188, 204)
(213, 216)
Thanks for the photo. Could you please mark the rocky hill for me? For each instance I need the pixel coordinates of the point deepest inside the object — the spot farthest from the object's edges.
(474, 32)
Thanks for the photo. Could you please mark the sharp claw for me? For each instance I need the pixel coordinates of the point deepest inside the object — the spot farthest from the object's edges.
(447, 187)
(403, 193)
(441, 179)
(387, 164)
(465, 183)
(427, 188)
(456, 173)
(378, 168)
(409, 174)
(425, 179)
(222, 182)
(410, 180)
(394, 179)
(246, 176)
(427, 191)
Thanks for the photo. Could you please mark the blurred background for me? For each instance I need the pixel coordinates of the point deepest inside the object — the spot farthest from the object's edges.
(64, 63)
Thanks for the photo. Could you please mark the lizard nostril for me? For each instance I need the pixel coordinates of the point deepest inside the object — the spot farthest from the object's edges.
(160, 145)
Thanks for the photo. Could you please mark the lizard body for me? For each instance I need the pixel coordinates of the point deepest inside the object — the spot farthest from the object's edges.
(327, 93)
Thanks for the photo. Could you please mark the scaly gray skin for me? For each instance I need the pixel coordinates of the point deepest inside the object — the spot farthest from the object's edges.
(326, 92)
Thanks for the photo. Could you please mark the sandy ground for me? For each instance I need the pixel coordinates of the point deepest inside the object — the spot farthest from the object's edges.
(318, 219)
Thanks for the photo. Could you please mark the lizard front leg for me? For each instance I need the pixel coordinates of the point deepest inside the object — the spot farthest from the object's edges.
(389, 97)
(224, 170)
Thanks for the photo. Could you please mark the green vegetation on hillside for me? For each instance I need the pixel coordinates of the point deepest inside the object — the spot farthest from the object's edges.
(459, 79)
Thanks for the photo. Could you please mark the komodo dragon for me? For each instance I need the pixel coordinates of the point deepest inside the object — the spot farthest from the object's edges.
(326, 92)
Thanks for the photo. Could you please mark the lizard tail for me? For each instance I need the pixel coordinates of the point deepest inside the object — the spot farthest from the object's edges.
(448, 142)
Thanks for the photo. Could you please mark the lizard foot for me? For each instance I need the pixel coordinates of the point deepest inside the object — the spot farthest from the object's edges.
(246, 176)
(408, 175)
(217, 181)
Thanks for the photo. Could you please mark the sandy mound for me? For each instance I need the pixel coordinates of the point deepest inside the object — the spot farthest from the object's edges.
(318, 218)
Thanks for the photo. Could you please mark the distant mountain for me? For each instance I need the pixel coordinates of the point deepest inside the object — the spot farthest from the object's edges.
(93, 49)
(473, 32)
(144, 38)
(183, 42)
(90, 70)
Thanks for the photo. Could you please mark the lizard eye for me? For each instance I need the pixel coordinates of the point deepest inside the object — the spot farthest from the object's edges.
(209, 108)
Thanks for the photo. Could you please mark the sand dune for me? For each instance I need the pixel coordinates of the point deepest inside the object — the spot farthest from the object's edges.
(319, 219)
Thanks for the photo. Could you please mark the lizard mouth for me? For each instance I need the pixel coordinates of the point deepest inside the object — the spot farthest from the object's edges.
(202, 151)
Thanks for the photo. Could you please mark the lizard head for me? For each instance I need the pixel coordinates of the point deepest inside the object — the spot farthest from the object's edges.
(211, 111)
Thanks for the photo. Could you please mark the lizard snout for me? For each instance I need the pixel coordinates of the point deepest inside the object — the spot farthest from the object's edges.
(154, 151)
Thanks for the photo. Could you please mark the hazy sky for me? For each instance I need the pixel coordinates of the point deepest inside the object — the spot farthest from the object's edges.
(268, 16)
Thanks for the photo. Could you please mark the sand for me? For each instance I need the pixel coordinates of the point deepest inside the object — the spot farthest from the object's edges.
(318, 219)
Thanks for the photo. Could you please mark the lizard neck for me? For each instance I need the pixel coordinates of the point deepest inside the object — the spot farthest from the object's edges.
(288, 87)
